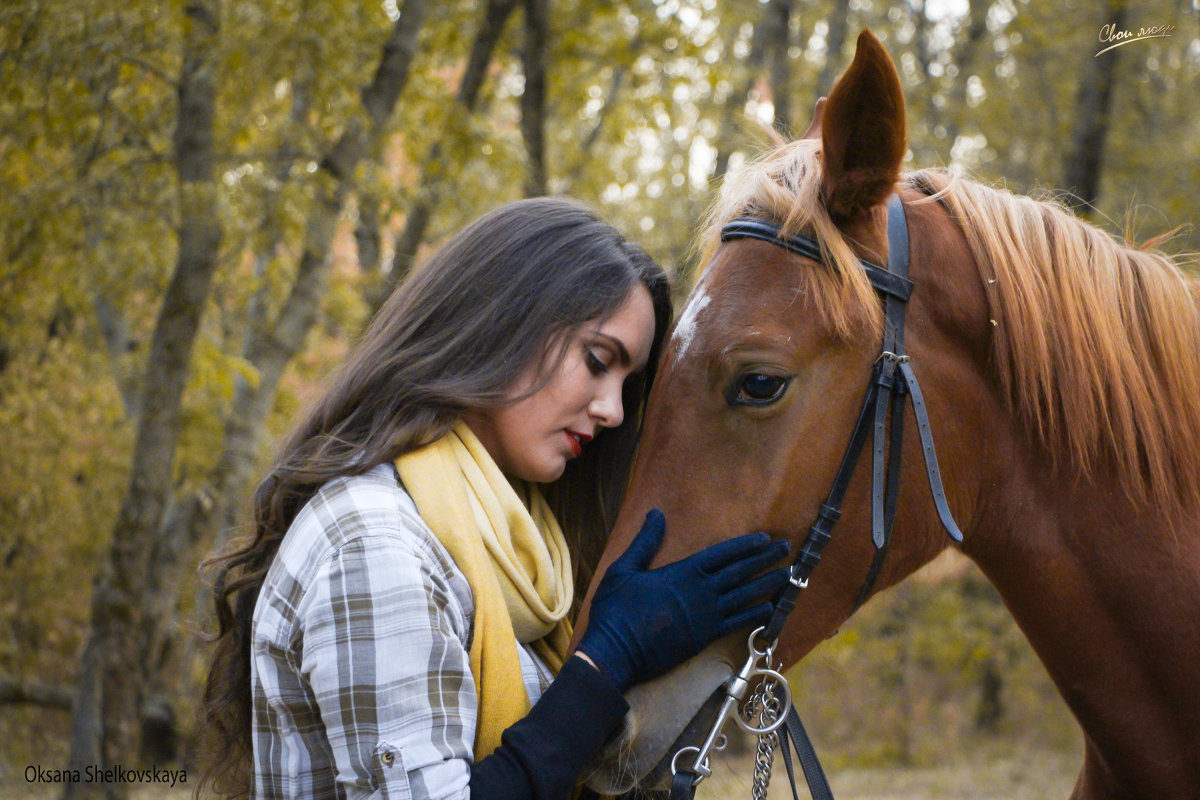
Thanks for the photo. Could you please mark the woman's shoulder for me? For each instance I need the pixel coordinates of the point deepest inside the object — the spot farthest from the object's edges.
(371, 512)
(350, 506)
(355, 534)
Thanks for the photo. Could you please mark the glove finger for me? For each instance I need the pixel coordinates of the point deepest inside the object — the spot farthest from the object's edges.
(740, 571)
(715, 557)
(761, 588)
(643, 547)
(754, 617)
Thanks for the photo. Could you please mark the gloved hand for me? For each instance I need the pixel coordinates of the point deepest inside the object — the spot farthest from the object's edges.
(644, 622)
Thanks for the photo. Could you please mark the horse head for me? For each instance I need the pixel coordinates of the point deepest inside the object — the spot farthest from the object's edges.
(763, 381)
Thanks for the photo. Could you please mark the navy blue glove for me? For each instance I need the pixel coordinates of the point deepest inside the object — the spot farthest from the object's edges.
(644, 622)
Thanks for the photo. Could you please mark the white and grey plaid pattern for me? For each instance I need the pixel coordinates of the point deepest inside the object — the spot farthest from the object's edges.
(360, 668)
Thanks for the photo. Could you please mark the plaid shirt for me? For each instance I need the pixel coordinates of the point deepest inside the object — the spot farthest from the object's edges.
(360, 668)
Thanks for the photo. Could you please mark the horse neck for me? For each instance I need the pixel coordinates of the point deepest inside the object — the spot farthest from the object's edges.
(1108, 594)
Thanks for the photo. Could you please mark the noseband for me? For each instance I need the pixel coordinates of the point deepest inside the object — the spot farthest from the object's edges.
(892, 381)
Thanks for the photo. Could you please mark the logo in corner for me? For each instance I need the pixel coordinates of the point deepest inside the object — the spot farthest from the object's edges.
(1114, 37)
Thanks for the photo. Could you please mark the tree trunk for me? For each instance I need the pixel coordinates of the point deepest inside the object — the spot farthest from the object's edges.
(368, 240)
(990, 710)
(966, 56)
(732, 111)
(105, 718)
(206, 514)
(428, 195)
(533, 100)
(780, 29)
(1093, 108)
(838, 25)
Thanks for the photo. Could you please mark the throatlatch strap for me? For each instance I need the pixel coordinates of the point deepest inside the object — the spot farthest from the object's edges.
(931, 462)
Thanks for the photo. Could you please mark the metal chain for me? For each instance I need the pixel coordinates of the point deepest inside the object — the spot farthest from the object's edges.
(764, 705)
(764, 759)
(762, 713)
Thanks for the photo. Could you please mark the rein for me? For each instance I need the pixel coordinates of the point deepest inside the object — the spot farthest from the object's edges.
(892, 382)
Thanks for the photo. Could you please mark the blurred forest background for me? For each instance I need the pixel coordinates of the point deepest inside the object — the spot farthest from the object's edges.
(202, 201)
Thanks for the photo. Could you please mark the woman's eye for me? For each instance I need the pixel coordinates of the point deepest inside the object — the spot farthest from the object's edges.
(760, 388)
(593, 361)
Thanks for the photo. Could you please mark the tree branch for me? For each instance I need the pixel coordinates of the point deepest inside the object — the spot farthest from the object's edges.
(118, 342)
(150, 69)
(619, 73)
(17, 692)
(428, 196)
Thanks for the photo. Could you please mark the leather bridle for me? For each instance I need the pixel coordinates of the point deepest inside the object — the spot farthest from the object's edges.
(892, 381)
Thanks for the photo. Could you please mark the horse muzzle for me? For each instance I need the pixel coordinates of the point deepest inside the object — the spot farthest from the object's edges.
(665, 714)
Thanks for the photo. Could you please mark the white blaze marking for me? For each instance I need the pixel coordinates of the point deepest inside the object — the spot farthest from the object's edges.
(685, 328)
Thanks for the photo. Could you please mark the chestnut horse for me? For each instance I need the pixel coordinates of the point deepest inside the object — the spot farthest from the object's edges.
(1061, 373)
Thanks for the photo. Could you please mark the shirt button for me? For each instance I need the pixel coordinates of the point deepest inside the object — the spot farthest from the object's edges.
(387, 759)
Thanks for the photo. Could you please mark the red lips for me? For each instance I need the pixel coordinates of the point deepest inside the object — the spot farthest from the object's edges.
(577, 440)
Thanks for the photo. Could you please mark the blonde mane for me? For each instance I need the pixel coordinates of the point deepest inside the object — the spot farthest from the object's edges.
(1096, 344)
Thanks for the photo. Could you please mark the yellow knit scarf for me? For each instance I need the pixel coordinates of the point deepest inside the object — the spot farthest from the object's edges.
(505, 540)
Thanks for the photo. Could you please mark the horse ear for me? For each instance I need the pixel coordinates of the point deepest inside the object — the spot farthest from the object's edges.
(814, 127)
(863, 132)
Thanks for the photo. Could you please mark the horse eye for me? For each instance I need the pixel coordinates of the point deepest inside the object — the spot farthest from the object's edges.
(760, 389)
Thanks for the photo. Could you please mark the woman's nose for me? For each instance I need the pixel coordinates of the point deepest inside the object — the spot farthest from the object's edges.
(606, 407)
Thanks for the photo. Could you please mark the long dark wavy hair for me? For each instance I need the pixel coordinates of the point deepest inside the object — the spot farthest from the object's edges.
(495, 299)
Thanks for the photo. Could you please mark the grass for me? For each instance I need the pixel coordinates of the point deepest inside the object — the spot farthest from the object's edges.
(1034, 775)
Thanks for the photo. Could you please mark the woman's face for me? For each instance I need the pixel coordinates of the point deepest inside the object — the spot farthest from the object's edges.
(533, 438)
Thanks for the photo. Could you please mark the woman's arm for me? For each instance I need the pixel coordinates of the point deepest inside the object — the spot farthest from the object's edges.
(542, 756)
(384, 650)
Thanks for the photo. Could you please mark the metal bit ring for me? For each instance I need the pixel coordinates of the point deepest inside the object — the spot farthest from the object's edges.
(785, 706)
(689, 749)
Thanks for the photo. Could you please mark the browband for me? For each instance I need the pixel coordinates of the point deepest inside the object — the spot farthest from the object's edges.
(888, 283)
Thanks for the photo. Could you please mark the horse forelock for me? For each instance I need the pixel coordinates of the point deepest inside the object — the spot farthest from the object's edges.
(1094, 341)
(785, 187)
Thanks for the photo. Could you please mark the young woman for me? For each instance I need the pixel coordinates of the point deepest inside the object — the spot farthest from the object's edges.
(399, 625)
